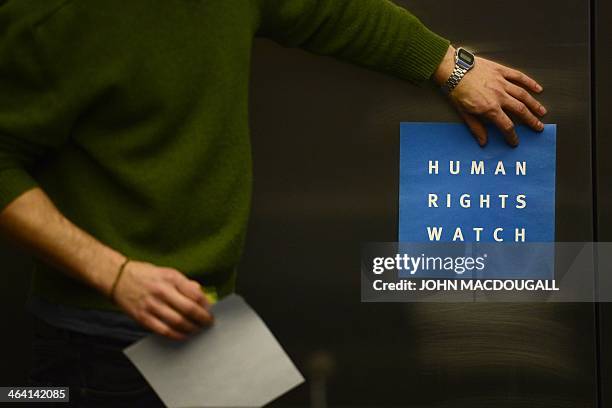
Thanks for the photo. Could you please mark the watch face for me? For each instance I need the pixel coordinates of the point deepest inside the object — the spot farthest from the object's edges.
(465, 56)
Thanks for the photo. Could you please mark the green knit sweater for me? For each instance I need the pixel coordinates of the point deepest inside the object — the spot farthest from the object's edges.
(133, 117)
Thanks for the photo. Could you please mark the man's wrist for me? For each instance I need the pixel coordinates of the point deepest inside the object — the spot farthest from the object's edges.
(103, 269)
(445, 69)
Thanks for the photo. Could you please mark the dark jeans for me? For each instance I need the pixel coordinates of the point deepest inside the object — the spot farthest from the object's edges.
(95, 369)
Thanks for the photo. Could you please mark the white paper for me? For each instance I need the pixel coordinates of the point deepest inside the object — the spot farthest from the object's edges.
(236, 362)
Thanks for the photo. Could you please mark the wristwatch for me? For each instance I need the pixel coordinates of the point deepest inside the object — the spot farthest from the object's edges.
(464, 61)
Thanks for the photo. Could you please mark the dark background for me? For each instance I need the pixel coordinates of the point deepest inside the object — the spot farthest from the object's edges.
(325, 148)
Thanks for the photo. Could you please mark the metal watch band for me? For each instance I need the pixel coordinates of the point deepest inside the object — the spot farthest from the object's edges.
(454, 79)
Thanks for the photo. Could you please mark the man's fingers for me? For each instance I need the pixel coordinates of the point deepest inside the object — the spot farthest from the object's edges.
(187, 307)
(522, 95)
(520, 78)
(503, 122)
(192, 290)
(476, 127)
(172, 318)
(161, 328)
(523, 113)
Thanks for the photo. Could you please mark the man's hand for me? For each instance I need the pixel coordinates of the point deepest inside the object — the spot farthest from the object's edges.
(492, 91)
(162, 299)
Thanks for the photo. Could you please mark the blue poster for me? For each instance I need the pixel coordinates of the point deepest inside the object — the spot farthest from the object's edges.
(452, 190)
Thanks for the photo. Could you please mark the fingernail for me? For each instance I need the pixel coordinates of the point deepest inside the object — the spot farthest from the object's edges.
(539, 87)
(540, 126)
(543, 110)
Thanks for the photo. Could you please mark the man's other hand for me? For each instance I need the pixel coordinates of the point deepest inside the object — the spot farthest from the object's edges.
(492, 91)
(162, 299)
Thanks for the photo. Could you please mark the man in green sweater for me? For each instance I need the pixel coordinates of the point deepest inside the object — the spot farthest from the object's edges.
(125, 160)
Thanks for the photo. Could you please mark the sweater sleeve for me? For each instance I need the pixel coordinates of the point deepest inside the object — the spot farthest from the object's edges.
(376, 34)
(32, 119)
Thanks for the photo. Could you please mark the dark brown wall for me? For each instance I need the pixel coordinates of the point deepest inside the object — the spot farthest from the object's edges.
(602, 92)
(325, 140)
